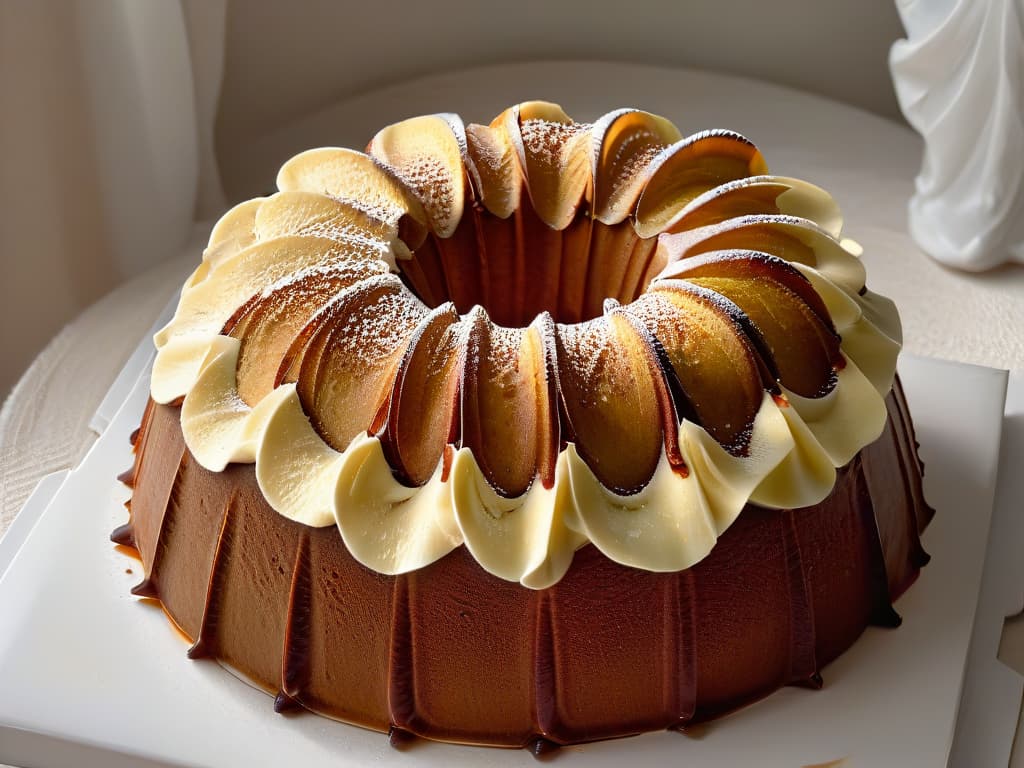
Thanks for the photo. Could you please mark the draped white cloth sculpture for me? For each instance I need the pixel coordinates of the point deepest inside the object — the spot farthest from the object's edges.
(959, 77)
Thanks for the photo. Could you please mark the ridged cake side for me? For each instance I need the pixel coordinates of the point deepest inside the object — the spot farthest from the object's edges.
(450, 652)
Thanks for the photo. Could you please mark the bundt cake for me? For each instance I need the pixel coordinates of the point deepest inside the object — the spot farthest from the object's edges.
(528, 434)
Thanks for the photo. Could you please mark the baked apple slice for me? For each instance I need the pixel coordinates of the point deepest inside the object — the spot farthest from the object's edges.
(625, 145)
(788, 313)
(613, 399)
(506, 410)
(268, 323)
(344, 361)
(422, 411)
(689, 168)
(553, 152)
(716, 375)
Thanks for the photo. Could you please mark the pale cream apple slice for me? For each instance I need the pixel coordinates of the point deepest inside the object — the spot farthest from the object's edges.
(624, 145)
(759, 195)
(715, 374)
(506, 410)
(347, 364)
(233, 232)
(422, 409)
(497, 183)
(205, 308)
(871, 343)
(308, 213)
(237, 224)
(613, 400)
(789, 314)
(427, 153)
(554, 156)
(689, 168)
(267, 324)
(792, 239)
(296, 213)
(362, 181)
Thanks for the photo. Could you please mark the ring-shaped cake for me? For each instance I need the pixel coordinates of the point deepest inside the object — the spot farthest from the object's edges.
(605, 418)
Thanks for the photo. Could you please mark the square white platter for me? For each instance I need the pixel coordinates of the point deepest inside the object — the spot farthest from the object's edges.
(89, 676)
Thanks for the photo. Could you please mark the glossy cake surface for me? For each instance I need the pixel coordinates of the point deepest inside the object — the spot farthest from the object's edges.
(484, 392)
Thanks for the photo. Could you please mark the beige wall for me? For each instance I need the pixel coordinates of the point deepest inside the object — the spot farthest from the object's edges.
(288, 59)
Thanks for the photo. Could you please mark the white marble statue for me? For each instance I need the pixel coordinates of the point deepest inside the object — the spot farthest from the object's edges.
(959, 78)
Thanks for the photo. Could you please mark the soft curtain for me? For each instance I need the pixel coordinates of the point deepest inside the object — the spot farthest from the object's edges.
(107, 136)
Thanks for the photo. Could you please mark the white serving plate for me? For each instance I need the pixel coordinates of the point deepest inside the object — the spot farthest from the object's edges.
(89, 676)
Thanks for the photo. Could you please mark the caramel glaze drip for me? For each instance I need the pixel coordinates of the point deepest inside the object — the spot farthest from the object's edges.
(451, 653)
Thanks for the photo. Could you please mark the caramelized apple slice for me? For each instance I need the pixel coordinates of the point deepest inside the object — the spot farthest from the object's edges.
(611, 400)
(715, 372)
(424, 397)
(500, 415)
(555, 160)
(267, 324)
(426, 154)
(756, 267)
(791, 317)
(346, 365)
(493, 169)
(689, 168)
(357, 178)
(625, 144)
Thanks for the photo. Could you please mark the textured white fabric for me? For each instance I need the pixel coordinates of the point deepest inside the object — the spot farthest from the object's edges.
(44, 424)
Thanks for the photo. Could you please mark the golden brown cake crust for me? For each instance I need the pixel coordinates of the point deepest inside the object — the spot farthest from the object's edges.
(450, 652)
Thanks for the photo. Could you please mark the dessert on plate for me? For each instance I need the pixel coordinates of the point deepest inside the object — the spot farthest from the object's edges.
(528, 434)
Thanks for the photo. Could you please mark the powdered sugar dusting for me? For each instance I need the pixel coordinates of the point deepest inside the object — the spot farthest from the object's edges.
(633, 155)
(503, 358)
(485, 152)
(588, 350)
(377, 208)
(369, 334)
(545, 141)
(430, 179)
(311, 281)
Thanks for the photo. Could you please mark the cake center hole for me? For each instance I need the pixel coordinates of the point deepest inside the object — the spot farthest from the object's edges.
(517, 268)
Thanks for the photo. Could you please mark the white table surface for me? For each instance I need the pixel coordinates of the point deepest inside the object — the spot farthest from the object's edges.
(867, 162)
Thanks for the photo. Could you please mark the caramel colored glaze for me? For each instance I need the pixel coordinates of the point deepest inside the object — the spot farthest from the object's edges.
(449, 652)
